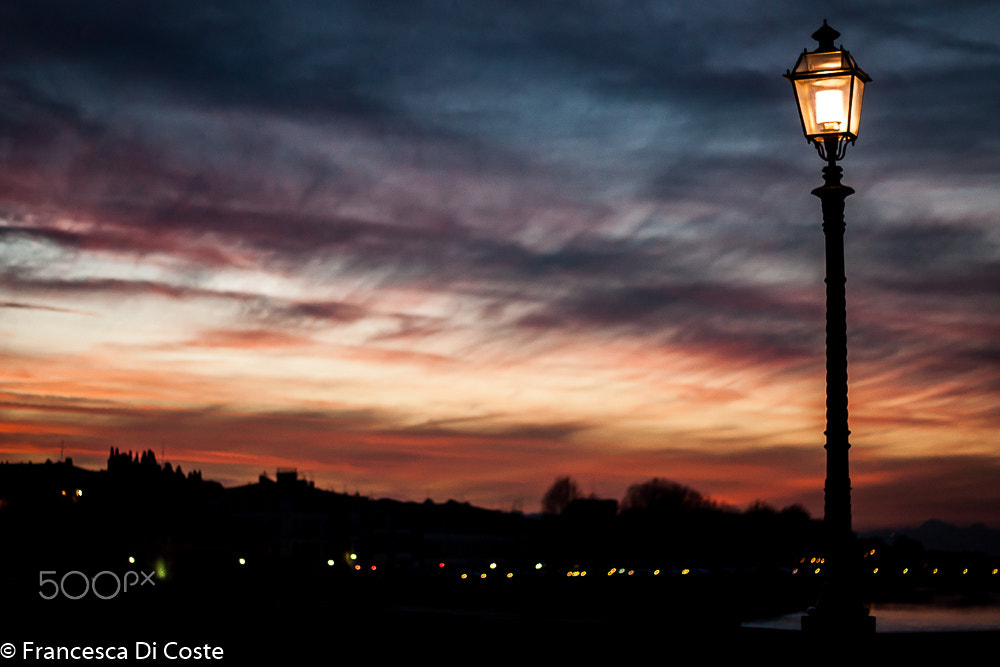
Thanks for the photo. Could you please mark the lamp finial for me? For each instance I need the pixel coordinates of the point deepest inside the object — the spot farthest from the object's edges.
(825, 36)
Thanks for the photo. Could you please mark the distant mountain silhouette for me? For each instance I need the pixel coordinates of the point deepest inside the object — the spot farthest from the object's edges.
(937, 535)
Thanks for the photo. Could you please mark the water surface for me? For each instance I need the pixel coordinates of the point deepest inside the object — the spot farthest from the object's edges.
(912, 618)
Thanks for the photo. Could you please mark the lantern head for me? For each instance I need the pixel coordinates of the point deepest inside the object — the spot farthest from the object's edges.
(828, 87)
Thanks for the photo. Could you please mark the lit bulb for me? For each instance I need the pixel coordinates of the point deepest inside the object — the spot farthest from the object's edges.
(830, 110)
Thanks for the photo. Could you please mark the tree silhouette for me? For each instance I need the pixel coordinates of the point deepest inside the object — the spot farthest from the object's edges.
(664, 496)
(562, 492)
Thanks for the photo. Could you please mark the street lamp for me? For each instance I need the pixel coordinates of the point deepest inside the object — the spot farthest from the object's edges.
(829, 87)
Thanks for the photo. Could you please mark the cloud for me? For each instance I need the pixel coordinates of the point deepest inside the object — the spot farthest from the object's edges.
(522, 239)
(255, 339)
(30, 306)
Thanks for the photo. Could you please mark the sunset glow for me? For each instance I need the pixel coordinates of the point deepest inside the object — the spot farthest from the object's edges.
(458, 252)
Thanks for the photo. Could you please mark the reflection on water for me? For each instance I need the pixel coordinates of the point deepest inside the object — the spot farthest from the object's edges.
(935, 618)
(912, 618)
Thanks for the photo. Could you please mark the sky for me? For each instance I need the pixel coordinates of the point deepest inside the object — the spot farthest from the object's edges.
(455, 250)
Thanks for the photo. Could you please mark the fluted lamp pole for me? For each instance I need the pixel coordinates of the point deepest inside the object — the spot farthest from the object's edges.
(828, 87)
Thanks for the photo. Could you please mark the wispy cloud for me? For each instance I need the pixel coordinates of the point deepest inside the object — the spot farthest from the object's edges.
(459, 250)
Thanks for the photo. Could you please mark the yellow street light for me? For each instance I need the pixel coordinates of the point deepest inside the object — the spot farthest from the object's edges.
(829, 87)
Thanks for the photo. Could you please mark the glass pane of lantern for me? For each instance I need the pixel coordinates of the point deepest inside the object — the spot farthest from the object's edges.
(824, 104)
(857, 94)
(821, 62)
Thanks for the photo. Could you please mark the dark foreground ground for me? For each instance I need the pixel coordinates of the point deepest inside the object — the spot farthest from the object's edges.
(358, 623)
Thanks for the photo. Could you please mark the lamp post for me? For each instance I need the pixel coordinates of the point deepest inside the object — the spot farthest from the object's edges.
(828, 88)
